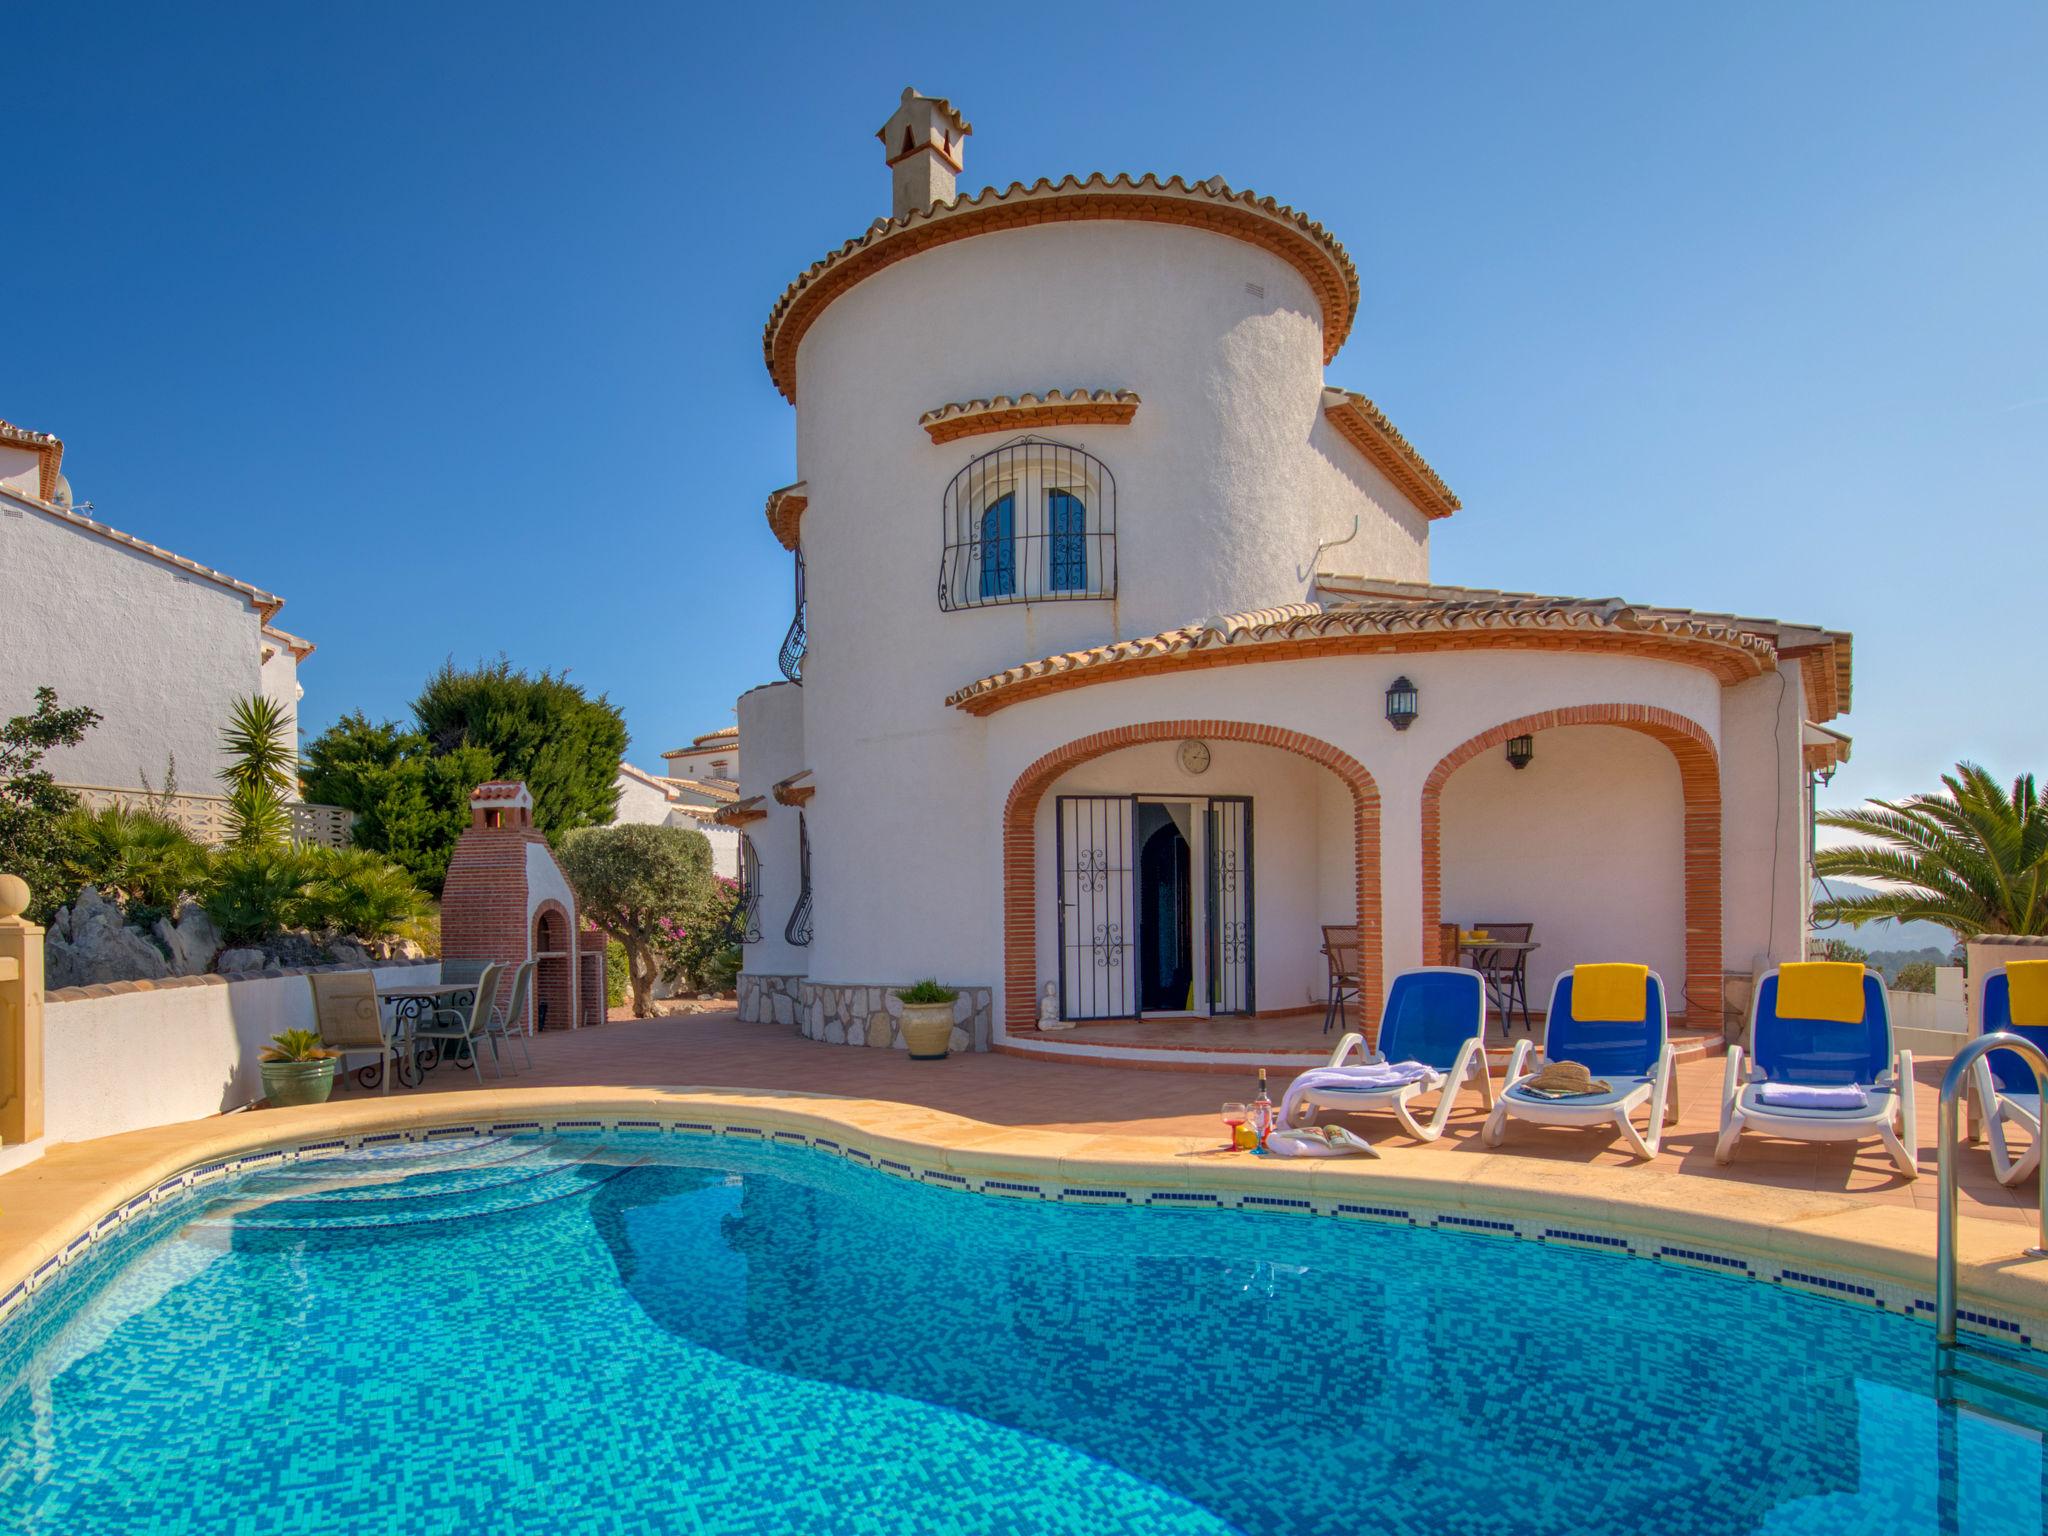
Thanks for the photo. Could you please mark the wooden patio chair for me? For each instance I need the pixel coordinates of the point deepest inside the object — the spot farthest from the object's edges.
(1341, 951)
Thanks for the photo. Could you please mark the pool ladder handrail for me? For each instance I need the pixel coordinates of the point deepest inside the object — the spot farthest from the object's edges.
(1953, 1084)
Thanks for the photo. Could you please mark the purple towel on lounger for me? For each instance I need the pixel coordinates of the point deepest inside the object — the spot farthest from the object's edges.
(1813, 1096)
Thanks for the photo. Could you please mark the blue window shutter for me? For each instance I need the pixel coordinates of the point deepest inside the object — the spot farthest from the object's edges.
(999, 548)
(1067, 516)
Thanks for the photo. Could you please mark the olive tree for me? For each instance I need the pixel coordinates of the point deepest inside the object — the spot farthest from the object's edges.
(630, 880)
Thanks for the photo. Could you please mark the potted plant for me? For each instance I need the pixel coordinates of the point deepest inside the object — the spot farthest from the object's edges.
(927, 1019)
(298, 1069)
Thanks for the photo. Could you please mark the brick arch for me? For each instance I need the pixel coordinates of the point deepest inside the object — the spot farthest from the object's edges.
(1699, 779)
(1020, 844)
(554, 981)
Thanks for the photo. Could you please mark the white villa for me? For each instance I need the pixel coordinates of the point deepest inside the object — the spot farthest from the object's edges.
(1118, 671)
(162, 646)
(703, 779)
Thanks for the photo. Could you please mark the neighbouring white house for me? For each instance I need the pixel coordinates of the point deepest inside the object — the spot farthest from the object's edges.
(162, 646)
(652, 799)
(1118, 671)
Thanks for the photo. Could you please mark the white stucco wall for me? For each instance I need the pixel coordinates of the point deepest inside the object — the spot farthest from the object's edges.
(21, 469)
(772, 724)
(1339, 700)
(137, 1059)
(1766, 893)
(278, 677)
(1587, 843)
(162, 655)
(1301, 848)
(640, 803)
(544, 883)
(1226, 482)
(715, 762)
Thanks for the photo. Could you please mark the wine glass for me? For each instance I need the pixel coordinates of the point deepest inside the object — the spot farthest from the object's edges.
(1233, 1116)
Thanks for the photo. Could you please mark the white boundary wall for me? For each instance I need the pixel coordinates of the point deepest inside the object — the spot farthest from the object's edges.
(133, 1059)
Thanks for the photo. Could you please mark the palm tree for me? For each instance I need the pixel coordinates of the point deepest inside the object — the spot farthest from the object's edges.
(1973, 860)
(262, 770)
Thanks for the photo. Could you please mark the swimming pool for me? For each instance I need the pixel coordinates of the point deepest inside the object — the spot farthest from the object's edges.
(695, 1334)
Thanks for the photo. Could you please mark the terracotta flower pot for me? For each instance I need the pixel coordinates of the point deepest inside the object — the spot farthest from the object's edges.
(928, 1030)
(299, 1082)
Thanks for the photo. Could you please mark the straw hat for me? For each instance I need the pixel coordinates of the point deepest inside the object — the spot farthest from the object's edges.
(1567, 1077)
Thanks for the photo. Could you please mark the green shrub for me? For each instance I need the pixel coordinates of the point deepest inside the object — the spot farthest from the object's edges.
(927, 991)
(142, 859)
(1915, 976)
(257, 890)
(630, 880)
(33, 807)
(359, 893)
(698, 947)
(618, 978)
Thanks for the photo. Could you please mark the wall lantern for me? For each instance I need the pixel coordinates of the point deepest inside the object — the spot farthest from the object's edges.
(1402, 700)
(1520, 750)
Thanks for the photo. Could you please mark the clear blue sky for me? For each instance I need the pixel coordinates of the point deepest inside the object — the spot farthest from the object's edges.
(444, 320)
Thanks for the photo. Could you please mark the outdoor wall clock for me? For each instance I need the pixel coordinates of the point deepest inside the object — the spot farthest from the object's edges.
(1194, 756)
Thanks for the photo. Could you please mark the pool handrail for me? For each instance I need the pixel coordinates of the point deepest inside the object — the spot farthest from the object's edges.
(1945, 1199)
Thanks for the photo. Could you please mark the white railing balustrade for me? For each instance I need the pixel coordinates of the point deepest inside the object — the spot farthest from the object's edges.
(205, 817)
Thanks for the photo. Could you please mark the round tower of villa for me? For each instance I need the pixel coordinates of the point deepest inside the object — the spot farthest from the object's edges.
(1125, 379)
(1124, 691)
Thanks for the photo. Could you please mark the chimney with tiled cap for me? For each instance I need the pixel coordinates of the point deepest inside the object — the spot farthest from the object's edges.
(923, 139)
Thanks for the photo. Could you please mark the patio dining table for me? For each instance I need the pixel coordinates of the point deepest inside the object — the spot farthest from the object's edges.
(1498, 961)
(412, 1003)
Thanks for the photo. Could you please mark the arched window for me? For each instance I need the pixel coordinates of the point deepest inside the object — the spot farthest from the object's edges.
(1031, 521)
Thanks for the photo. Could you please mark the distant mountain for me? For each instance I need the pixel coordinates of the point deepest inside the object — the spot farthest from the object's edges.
(1884, 933)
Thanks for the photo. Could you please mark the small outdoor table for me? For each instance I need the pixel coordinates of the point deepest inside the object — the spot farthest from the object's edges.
(1490, 957)
(410, 1004)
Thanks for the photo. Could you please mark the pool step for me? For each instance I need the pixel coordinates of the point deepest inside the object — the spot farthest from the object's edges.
(411, 1192)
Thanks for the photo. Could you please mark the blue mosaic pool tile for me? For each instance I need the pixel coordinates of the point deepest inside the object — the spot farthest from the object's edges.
(1007, 1187)
(1478, 1224)
(1072, 1192)
(1696, 1256)
(1826, 1283)
(1375, 1212)
(1183, 1197)
(1595, 1239)
(940, 1176)
(1277, 1203)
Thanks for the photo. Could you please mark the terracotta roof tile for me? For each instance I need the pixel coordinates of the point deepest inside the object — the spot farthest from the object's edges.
(1291, 236)
(1312, 629)
(1365, 426)
(1005, 413)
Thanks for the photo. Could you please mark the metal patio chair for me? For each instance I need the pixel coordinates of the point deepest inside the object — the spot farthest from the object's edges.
(501, 1025)
(1506, 971)
(465, 1027)
(351, 1021)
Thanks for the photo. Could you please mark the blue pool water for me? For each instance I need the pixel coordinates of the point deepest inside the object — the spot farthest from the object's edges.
(673, 1334)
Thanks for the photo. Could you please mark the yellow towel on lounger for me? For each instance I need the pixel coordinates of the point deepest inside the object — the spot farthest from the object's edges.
(2027, 984)
(1821, 989)
(1610, 994)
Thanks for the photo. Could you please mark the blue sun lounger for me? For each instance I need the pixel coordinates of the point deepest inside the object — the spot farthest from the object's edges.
(1848, 1060)
(2005, 1086)
(1633, 1056)
(1435, 1015)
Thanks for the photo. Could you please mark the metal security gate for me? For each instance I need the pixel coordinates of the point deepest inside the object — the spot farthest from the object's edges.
(1097, 906)
(1230, 905)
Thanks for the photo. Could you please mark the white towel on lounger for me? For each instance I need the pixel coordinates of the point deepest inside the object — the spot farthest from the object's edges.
(1813, 1096)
